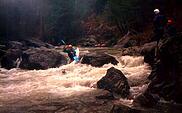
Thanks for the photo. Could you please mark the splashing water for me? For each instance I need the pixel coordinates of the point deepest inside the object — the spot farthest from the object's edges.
(18, 87)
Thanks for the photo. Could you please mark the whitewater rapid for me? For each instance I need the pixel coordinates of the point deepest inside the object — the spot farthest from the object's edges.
(36, 86)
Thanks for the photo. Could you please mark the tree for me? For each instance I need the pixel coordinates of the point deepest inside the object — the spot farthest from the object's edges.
(126, 14)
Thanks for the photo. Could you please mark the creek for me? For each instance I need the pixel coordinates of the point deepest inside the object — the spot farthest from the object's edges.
(70, 88)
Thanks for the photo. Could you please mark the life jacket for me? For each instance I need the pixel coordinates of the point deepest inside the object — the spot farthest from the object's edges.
(71, 52)
(160, 21)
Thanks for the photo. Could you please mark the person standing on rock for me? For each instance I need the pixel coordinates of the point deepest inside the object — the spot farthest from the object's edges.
(160, 23)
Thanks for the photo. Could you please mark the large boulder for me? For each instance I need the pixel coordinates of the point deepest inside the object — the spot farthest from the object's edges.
(11, 54)
(36, 43)
(166, 75)
(98, 59)
(124, 41)
(10, 58)
(148, 51)
(115, 82)
(42, 58)
(121, 108)
(2, 52)
(146, 99)
(88, 42)
(159, 108)
(139, 50)
(14, 45)
(11, 51)
(131, 51)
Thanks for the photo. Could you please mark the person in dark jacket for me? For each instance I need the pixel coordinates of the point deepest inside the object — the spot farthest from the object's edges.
(160, 22)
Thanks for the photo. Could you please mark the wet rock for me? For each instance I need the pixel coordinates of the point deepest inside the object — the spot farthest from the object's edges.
(146, 100)
(124, 41)
(14, 45)
(98, 59)
(88, 42)
(10, 54)
(115, 82)
(11, 58)
(41, 58)
(36, 43)
(124, 109)
(148, 51)
(108, 96)
(159, 108)
(132, 51)
(2, 52)
(166, 75)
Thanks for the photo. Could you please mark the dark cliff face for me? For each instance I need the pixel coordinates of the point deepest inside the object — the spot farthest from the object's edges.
(176, 12)
(53, 21)
(166, 75)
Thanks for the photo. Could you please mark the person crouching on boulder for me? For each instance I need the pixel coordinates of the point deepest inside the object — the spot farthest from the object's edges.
(171, 30)
(71, 53)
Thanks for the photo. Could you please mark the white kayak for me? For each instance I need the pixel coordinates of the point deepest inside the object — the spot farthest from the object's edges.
(76, 58)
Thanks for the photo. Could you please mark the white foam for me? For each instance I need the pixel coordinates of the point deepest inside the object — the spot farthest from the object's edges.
(65, 81)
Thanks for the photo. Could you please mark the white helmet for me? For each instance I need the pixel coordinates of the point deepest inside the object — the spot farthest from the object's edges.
(156, 11)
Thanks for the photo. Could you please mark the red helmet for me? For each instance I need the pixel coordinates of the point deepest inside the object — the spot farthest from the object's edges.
(70, 46)
(169, 21)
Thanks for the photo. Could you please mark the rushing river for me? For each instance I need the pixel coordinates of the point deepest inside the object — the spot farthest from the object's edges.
(68, 89)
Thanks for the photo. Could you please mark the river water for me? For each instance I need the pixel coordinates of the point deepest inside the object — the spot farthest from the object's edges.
(68, 89)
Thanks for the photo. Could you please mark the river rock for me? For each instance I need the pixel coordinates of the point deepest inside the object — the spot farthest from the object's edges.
(11, 54)
(98, 59)
(124, 109)
(159, 108)
(36, 43)
(146, 99)
(88, 42)
(14, 45)
(10, 58)
(148, 51)
(124, 41)
(132, 51)
(115, 82)
(166, 75)
(42, 58)
(2, 52)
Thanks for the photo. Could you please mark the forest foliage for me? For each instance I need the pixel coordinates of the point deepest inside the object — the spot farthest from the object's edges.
(55, 20)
